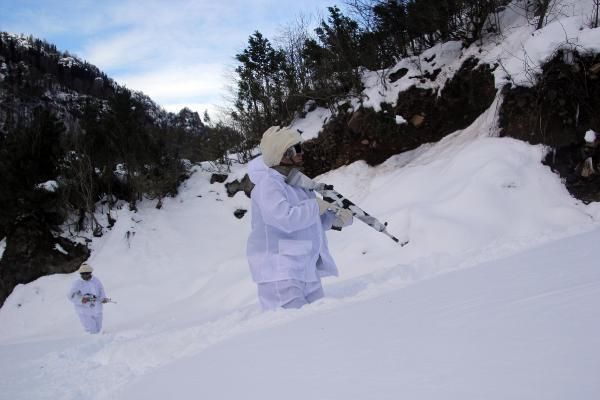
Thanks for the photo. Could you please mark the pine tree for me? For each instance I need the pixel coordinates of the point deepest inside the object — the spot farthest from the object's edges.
(260, 87)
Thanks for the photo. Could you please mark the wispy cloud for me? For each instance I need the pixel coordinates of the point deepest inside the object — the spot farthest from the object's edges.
(173, 82)
(197, 87)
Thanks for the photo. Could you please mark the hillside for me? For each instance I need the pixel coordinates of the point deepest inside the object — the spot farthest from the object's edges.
(69, 137)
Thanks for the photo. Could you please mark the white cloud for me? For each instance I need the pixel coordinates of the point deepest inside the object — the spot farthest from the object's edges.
(167, 83)
(124, 50)
(198, 87)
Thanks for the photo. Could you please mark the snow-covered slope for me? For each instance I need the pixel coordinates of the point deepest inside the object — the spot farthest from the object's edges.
(523, 327)
(495, 297)
(185, 298)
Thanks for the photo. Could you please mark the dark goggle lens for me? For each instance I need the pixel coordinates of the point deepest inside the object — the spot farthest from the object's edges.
(292, 151)
(296, 149)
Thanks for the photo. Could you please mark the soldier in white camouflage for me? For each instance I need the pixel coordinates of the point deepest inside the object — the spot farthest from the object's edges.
(87, 295)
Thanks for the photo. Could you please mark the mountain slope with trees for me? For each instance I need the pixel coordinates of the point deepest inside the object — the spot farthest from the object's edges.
(73, 140)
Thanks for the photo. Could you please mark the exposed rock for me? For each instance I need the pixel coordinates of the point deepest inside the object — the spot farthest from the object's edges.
(218, 178)
(432, 76)
(32, 251)
(399, 74)
(558, 111)
(375, 136)
(417, 120)
(239, 213)
(111, 220)
(244, 185)
(355, 120)
(587, 168)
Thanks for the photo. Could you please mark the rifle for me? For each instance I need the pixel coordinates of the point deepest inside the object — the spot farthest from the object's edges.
(92, 299)
(297, 178)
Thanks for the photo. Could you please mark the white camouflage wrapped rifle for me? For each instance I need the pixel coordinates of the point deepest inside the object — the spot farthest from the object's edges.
(297, 178)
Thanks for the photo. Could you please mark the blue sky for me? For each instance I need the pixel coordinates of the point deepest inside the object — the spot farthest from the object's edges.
(179, 52)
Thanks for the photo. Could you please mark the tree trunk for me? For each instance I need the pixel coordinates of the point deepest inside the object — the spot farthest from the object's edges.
(542, 10)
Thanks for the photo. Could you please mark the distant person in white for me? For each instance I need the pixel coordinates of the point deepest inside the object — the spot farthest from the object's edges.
(87, 295)
(287, 248)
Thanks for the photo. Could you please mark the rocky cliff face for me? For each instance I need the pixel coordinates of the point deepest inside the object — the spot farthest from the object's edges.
(32, 250)
(375, 136)
(558, 110)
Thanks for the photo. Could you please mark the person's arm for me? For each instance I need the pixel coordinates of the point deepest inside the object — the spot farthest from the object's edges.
(75, 294)
(101, 294)
(279, 213)
(327, 220)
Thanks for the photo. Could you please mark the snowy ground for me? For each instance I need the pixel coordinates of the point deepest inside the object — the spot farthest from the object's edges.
(495, 297)
(524, 327)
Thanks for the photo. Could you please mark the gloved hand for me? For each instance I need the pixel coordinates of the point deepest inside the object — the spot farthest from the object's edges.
(343, 217)
(105, 300)
(324, 206)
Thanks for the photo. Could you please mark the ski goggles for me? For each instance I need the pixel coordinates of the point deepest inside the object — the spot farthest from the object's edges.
(292, 151)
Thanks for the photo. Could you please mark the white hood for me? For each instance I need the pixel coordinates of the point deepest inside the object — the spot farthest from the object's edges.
(257, 170)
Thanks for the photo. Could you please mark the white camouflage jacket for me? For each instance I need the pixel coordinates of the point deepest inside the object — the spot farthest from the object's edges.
(81, 288)
(287, 240)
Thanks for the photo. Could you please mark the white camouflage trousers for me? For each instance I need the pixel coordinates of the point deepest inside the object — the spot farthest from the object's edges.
(289, 293)
(92, 323)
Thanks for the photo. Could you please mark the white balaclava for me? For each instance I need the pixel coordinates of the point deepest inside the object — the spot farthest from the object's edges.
(275, 141)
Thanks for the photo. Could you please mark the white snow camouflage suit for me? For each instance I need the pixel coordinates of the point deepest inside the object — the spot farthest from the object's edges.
(90, 313)
(287, 249)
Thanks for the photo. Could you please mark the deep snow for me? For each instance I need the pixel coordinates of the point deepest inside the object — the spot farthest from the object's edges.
(524, 327)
